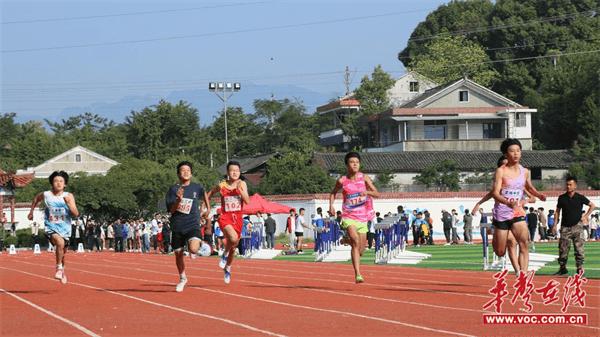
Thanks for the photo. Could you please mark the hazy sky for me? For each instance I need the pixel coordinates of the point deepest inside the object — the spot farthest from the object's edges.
(59, 54)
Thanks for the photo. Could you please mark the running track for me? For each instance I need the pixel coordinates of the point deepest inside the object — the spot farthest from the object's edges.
(131, 294)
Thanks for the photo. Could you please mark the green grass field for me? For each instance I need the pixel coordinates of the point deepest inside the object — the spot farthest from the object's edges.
(463, 257)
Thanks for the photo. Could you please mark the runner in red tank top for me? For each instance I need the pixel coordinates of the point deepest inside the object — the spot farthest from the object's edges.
(234, 194)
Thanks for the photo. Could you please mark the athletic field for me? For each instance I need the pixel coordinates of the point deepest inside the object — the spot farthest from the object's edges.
(131, 294)
(469, 257)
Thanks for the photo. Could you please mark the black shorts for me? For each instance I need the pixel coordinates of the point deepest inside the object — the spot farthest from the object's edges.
(507, 224)
(179, 239)
(299, 234)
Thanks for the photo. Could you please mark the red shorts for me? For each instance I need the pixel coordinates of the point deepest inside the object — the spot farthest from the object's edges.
(232, 219)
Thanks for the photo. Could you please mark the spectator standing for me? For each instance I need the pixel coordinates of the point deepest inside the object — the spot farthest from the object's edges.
(166, 236)
(468, 221)
(110, 235)
(299, 231)
(551, 224)
(291, 222)
(118, 228)
(532, 223)
(154, 233)
(543, 224)
(594, 227)
(455, 221)
(570, 204)
(447, 222)
(270, 228)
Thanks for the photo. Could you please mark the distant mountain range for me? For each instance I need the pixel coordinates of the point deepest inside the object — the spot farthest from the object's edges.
(206, 102)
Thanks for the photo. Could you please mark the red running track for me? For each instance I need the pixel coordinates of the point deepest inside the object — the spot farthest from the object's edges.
(129, 294)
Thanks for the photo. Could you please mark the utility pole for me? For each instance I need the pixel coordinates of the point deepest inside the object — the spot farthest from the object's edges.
(347, 80)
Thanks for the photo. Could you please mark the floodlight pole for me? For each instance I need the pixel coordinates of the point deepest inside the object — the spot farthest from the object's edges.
(224, 88)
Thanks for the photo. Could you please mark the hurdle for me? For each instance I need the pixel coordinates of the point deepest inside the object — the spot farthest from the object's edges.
(498, 262)
(390, 238)
(252, 242)
(326, 238)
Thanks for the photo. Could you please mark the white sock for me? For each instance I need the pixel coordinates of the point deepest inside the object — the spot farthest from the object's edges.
(228, 268)
(182, 276)
(59, 266)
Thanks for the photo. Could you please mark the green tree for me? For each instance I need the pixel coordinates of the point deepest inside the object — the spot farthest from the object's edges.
(384, 179)
(444, 176)
(449, 20)
(159, 131)
(373, 97)
(449, 58)
(293, 173)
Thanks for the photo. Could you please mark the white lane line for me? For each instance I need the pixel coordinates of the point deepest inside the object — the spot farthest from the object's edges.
(242, 325)
(319, 290)
(343, 313)
(51, 314)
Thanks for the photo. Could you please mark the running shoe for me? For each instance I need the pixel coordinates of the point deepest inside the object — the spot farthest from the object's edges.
(60, 275)
(223, 261)
(227, 275)
(359, 279)
(179, 287)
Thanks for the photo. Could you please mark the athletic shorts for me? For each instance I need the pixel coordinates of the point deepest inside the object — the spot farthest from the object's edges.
(62, 230)
(49, 236)
(361, 227)
(299, 234)
(507, 224)
(179, 239)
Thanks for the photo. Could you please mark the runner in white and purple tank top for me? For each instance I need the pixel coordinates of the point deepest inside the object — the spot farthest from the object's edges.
(511, 182)
(60, 207)
(357, 207)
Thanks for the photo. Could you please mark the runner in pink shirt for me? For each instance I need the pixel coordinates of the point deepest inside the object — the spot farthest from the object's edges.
(357, 207)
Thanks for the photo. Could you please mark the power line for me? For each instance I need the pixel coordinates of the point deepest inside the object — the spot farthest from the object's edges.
(200, 35)
(518, 46)
(482, 29)
(193, 85)
(525, 58)
(73, 18)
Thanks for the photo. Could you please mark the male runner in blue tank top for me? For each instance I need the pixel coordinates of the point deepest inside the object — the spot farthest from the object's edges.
(60, 208)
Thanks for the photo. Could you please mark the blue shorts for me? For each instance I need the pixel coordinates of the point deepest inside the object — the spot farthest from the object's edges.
(61, 229)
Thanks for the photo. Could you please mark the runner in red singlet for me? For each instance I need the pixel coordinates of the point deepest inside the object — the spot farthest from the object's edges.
(234, 194)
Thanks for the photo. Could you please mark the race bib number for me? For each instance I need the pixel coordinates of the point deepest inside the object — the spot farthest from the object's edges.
(58, 214)
(185, 206)
(355, 200)
(512, 195)
(233, 203)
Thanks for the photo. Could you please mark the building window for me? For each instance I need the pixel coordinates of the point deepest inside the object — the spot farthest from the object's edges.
(521, 120)
(414, 86)
(78, 158)
(435, 130)
(491, 130)
(463, 96)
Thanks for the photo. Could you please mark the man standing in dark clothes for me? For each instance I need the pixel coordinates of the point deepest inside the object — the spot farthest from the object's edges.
(532, 223)
(571, 205)
(118, 226)
(270, 228)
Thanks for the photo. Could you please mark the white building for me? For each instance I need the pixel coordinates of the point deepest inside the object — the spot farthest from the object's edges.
(459, 116)
(77, 159)
(406, 88)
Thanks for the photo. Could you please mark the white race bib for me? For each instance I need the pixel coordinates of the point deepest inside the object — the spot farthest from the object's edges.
(512, 195)
(185, 206)
(233, 203)
(355, 200)
(57, 214)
